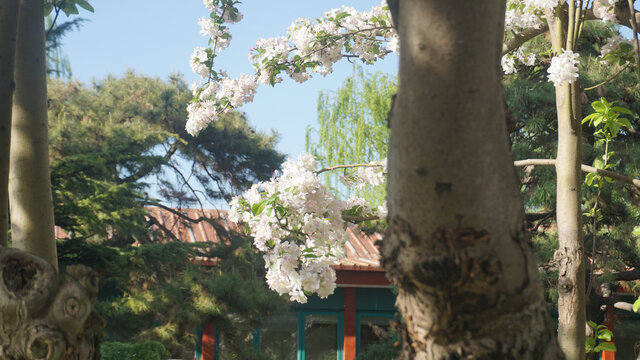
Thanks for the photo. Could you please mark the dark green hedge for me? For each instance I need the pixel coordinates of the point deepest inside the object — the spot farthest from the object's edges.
(150, 350)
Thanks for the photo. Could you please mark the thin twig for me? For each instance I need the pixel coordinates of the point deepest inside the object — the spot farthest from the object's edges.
(346, 167)
(57, 9)
(609, 79)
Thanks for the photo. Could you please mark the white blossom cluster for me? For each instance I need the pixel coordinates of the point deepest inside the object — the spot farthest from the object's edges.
(563, 68)
(298, 224)
(605, 10)
(316, 46)
(517, 19)
(508, 61)
(526, 14)
(544, 4)
(311, 46)
(216, 93)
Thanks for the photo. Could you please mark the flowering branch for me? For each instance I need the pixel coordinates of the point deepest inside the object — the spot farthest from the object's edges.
(309, 47)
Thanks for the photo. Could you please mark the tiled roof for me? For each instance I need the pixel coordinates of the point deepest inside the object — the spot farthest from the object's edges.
(362, 253)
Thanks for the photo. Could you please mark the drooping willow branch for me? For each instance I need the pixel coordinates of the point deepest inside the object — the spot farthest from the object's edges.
(585, 168)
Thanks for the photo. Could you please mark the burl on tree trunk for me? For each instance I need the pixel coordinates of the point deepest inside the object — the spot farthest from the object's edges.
(46, 316)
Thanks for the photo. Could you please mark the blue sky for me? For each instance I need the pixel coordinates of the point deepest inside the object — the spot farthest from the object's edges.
(157, 37)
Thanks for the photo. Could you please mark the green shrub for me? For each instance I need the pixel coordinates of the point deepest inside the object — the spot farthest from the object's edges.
(149, 350)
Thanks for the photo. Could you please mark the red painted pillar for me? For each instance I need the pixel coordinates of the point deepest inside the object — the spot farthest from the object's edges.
(608, 322)
(349, 345)
(208, 341)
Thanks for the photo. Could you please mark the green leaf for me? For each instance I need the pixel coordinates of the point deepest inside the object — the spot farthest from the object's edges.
(597, 163)
(598, 106)
(591, 117)
(605, 335)
(624, 122)
(625, 47)
(622, 110)
(342, 15)
(69, 8)
(607, 346)
(85, 5)
(636, 305)
(257, 208)
(592, 324)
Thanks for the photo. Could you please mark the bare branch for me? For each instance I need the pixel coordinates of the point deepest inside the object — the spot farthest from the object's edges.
(521, 38)
(346, 167)
(165, 230)
(628, 275)
(355, 219)
(177, 213)
(585, 168)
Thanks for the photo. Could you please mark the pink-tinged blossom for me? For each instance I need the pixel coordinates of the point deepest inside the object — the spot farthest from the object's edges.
(563, 68)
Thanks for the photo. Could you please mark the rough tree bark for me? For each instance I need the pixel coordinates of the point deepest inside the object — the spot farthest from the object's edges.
(8, 29)
(30, 197)
(468, 285)
(42, 318)
(571, 271)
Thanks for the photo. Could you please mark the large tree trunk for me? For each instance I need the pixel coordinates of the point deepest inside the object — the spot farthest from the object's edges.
(468, 285)
(30, 197)
(571, 272)
(8, 29)
(43, 317)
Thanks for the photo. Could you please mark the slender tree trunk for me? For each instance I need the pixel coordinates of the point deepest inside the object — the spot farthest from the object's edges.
(8, 29)
(30, 197)
(571, 272)
(468, 285)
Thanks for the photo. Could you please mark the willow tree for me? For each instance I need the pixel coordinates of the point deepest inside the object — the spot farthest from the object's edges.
(353, 127)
